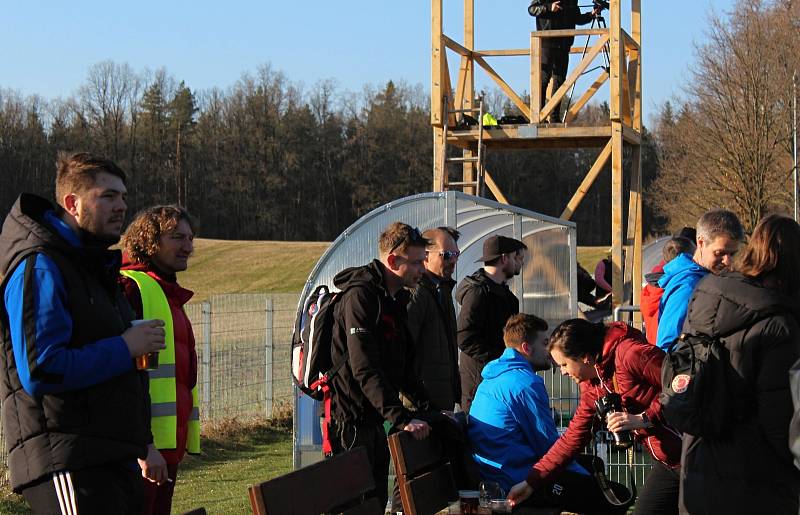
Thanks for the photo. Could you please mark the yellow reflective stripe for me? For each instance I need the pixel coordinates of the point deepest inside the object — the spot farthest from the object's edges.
(193, 437)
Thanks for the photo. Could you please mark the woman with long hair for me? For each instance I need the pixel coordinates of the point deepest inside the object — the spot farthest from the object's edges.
(612, 359)
(752, 311)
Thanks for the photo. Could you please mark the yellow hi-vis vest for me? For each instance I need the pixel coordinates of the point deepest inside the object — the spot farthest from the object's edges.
(163, 406)
(489, 120)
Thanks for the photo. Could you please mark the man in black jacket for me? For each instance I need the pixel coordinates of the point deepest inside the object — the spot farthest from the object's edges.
(370, 333)
(75, 409)
(486, 304)
(432, 321)
(558, 15)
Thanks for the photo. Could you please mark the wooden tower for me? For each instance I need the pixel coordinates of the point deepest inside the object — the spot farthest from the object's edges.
(623, 128)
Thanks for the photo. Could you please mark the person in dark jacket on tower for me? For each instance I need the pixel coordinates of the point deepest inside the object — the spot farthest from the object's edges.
(371, 336)
(486, 305)
(432, 321)
(75, 409)
(749, 468)
(557, 15)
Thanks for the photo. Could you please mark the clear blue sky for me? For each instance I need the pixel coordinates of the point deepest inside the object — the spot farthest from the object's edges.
(47, 46)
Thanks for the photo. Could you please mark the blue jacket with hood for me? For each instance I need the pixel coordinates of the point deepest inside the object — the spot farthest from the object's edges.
(511, 425)
(680, 277)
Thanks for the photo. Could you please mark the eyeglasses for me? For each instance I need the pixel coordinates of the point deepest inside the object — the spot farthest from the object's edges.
(447, 255)
(414, 236)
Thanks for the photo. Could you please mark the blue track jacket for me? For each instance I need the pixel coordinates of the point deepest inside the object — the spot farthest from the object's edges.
(680, 277)
(66, 368)
(510, 423)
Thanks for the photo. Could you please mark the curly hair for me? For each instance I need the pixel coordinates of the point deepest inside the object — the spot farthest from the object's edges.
(141, 238)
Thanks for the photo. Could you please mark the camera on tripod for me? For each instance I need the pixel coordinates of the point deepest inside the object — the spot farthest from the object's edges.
(612, 403)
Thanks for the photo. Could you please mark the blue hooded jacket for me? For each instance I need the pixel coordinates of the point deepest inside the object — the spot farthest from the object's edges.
(511, 425)
(680, 277)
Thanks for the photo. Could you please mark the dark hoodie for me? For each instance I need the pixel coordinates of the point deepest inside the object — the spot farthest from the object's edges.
(370, 326)
(485, 308)
(749, 468)
(71, 397)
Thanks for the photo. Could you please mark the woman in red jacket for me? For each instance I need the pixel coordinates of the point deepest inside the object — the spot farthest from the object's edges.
(603, 359)
(158, 243)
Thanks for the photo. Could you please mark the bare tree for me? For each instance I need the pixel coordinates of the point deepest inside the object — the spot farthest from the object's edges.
(726, 147)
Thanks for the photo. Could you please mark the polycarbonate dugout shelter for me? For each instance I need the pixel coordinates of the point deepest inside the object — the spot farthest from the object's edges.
(546, 287)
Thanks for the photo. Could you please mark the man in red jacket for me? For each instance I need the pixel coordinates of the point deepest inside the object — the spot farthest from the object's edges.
(157, 245)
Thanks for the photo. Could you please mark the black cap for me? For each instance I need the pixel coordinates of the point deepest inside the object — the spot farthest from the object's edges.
(496, 246)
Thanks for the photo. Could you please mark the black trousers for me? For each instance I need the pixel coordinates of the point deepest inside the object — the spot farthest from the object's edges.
(555, 61)
(115, 488)
(373, 438)
(470, 373)
(577, 493)
(659, 495)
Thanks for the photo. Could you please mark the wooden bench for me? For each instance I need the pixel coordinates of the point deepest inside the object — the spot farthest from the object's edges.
(424, 475)
(336, 485)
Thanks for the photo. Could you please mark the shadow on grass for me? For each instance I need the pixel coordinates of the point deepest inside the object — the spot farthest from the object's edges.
(230, 439)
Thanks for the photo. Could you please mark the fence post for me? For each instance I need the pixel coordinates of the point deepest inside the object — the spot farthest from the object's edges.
(205, 364)
(269, 349)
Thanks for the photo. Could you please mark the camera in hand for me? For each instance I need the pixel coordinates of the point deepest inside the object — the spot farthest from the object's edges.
(600, 4)
(612, 403)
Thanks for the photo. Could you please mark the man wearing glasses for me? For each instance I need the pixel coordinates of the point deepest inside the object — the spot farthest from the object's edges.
(371, 338)
(486, 305)
(432, 320)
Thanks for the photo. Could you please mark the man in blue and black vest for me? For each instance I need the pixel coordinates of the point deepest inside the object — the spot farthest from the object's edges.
(75, 409)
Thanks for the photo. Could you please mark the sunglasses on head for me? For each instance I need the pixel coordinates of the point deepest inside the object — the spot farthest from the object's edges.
(414, 236)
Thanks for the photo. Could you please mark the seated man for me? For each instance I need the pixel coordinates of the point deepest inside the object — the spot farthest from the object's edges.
(511, 425)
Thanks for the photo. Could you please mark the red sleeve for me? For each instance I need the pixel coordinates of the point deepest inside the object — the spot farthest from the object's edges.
(131, 291)
(644, 362)
(570, 444)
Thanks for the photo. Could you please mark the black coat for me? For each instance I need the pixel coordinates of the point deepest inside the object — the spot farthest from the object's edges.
(102, 424)
(485, 308)
(370, 326)
(567, 18)
(749, 468)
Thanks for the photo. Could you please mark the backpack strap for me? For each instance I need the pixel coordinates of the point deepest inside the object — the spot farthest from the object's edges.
(324, 382)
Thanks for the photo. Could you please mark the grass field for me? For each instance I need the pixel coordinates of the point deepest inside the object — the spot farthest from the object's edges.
(220, 266)
(233, 457)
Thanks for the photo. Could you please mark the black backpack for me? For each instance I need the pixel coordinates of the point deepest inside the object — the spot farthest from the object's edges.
(312, 368)
(695, 397)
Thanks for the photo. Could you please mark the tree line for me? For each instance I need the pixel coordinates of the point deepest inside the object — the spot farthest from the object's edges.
(269, 159)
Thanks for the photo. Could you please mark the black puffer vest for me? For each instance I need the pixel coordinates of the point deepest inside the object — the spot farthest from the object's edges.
(104, 423)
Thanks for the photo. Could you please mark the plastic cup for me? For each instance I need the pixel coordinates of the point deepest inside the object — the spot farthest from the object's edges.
(147, 361)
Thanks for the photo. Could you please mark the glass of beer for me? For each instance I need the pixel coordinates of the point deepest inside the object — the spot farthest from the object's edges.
(470, 501)
(500, 506)
(147, 361)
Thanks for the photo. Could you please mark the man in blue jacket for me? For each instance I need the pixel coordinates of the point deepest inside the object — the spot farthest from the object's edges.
(511, 424)
(75, 409)
(719, 235)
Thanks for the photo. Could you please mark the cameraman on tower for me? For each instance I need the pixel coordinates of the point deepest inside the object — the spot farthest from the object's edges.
(558, 15)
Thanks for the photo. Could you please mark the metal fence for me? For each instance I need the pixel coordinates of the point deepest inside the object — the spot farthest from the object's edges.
(243, 351)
